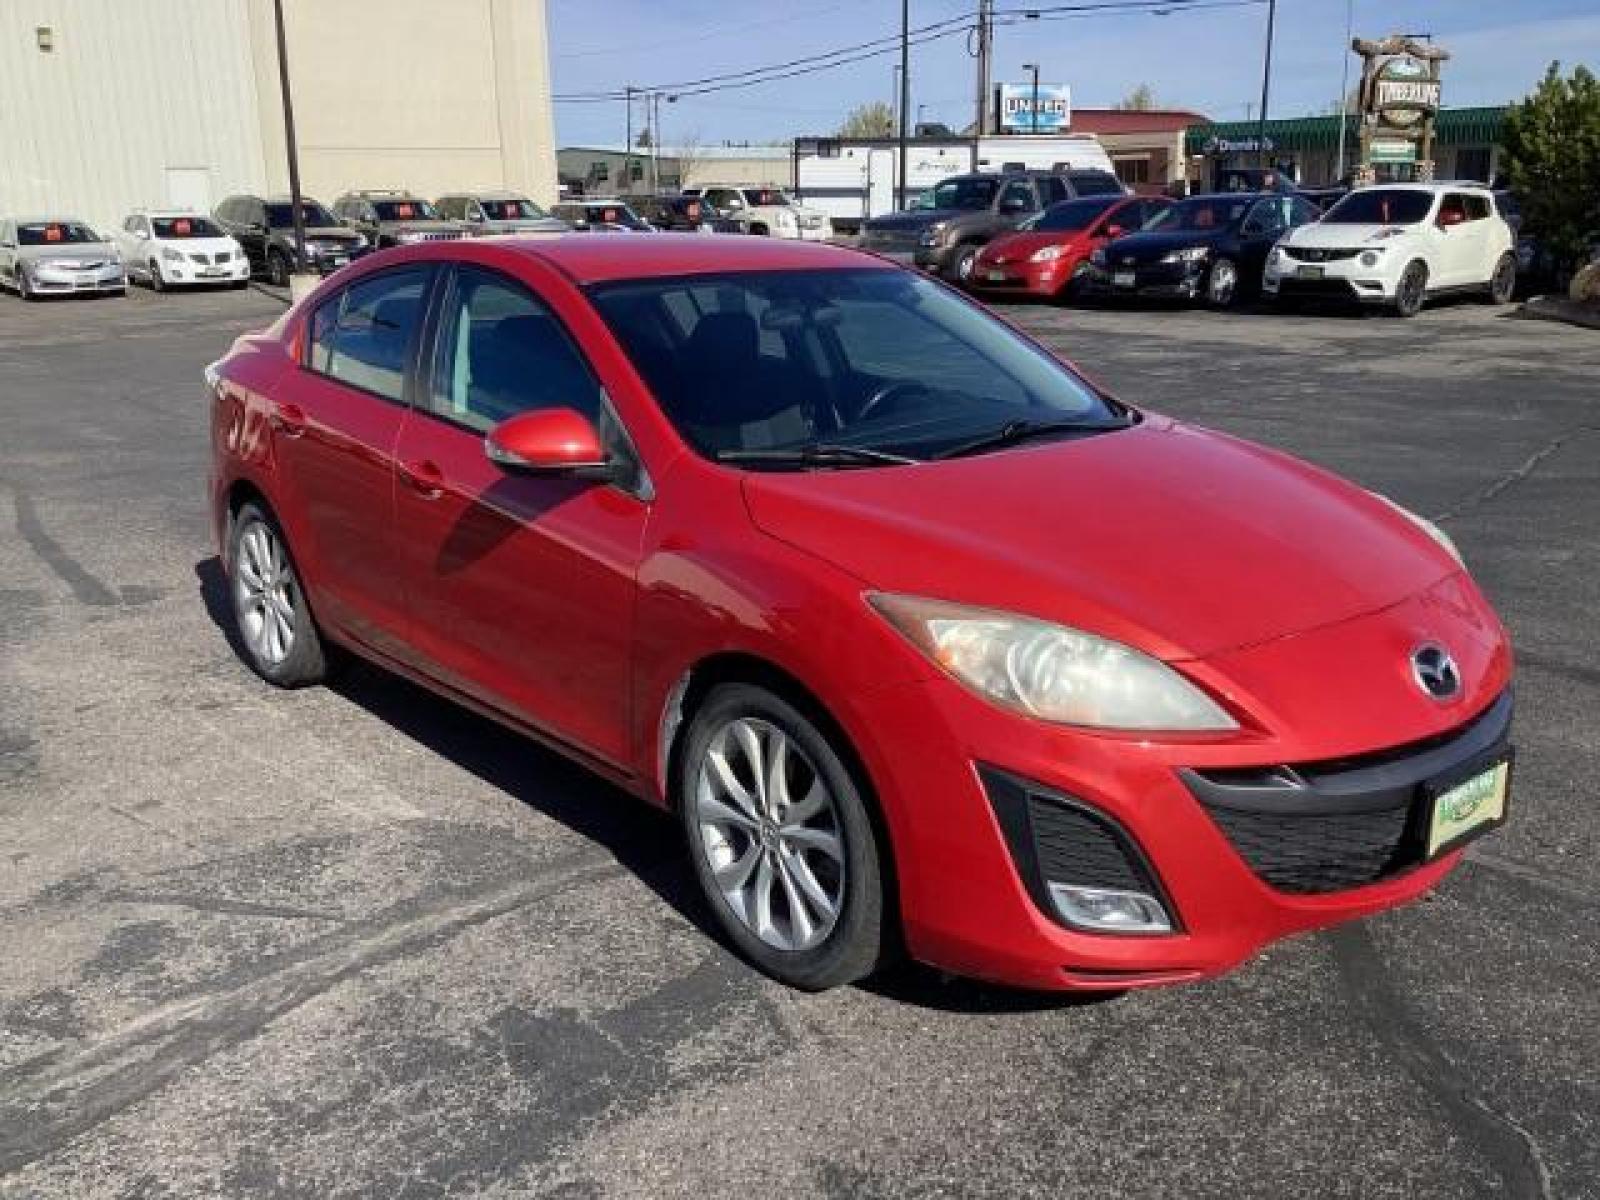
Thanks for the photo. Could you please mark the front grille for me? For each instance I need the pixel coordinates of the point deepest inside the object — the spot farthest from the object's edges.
(1327, 826)
(1318, 254)
(1307, 854)
(449, 236)
(1054, 838)
(1334, 289)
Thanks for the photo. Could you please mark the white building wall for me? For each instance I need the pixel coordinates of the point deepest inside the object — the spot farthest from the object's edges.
(132, 89)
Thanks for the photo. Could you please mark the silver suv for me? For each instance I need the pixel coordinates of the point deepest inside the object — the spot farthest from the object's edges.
(485, 213)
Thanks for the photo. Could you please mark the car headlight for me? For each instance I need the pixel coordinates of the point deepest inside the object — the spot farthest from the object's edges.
(1047, 254)
(170, 254)
(1052, 672)
(1428, 527)
(1189, 254)
(931, 235)
(1275, 258)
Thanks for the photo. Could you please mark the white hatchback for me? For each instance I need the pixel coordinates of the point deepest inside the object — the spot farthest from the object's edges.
(1398, 245)
(163, 249)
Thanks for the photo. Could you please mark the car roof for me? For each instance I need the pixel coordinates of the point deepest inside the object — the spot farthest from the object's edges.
(55, 219)
(590, 259)
(484, 194)
(1432, 187)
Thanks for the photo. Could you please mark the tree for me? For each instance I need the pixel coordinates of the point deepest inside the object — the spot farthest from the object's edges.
(1552, 144)
(873, 119)
(1141, 99)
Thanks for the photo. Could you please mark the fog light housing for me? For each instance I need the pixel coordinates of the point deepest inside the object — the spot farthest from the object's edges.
(1107, 910)
(1369, 259)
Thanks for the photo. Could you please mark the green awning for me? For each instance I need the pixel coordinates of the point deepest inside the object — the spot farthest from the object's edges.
(1454, 127)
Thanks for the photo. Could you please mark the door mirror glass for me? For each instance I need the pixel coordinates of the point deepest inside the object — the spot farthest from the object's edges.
(548, 441)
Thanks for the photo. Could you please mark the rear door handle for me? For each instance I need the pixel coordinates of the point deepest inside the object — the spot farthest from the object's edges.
(289, 420)
(424, 477)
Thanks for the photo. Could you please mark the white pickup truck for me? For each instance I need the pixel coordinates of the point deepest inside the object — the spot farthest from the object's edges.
(768, 211)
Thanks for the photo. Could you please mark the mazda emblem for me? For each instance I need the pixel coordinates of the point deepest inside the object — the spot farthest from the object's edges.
(1435, 671)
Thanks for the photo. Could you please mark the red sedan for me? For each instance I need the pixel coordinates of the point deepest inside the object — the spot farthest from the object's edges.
(1046, 255)
(929, 641)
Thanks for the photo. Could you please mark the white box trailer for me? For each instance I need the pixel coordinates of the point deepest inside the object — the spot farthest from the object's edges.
(852, 179)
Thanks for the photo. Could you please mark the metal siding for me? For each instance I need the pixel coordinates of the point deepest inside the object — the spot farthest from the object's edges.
(130, 90)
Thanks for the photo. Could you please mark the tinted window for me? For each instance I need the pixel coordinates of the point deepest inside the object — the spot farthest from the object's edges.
(1268, 216)
(184, 227)
(281, 216)
(1381, 206)
(363, 336)
(1202, 213)
(877, 359)
(54, 233)
(1302, 212)
(512, 210)
(1477, 207)
(1095, 183)
(967, 193)
(1054, 188)
(404, 210)
(1018, 197)
(1073, 215)
(501, 352)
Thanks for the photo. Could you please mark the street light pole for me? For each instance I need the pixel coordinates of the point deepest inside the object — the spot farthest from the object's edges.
(905, 93)
(627, 144)
(1344, 85)
(655, 142)
(1266, 82)
(289, 139)
(980, 125)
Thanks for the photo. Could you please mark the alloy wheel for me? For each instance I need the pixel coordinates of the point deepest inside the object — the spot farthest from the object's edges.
(1221, 282)
(1412, 290)
(266, 595)
(771, 832)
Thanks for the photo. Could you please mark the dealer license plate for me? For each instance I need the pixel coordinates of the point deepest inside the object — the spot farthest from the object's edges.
(213, 272)
(1464, 810)
(997, 276)
(1124, 279)
(1312, 272)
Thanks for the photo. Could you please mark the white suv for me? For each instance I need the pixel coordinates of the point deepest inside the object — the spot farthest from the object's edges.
(167, 248)
(765, 210)
(1398, 245)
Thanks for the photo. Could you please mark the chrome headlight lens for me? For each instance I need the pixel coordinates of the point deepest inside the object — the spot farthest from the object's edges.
(1189, 254)
(1052, 672)
(1447, 542)
(1046, 254)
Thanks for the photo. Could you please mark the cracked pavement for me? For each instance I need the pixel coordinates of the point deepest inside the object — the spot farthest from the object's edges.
(358, 942)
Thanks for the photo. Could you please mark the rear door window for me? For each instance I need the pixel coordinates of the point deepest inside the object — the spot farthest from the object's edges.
(364, 336)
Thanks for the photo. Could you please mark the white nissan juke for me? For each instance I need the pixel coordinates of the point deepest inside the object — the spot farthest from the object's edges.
(1398, 245)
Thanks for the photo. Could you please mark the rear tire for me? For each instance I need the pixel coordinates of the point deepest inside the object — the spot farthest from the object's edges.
(1503, 283)
(781, 839)
(1412, 291)
(1222, 283)
(277, 635)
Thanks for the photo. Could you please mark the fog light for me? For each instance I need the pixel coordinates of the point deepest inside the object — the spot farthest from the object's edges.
(1105, 910)
(1369, 259)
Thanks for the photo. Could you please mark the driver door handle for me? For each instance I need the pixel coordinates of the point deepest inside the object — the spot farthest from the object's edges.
(424, 477)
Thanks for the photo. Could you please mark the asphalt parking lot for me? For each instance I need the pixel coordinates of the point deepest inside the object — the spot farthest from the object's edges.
(356, 942)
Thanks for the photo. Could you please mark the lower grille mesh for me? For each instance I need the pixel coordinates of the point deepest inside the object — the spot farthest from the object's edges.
(1298, 852)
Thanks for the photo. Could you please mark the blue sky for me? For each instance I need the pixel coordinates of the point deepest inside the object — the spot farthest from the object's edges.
(1208, 60)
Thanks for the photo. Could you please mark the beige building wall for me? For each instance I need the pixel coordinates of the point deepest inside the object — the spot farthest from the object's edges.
(421, 94)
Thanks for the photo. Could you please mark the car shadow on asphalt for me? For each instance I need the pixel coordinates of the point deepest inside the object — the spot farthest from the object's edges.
(642, 839)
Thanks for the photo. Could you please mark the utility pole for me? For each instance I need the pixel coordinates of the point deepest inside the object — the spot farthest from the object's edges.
(985, 37)
(289, 139)
(627, 143)
(653, 111)
(1266, 83)
(1033, 121)
(905, 93)
(1344, 85)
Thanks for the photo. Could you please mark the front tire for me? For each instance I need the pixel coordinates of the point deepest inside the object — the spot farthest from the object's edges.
(1222, 283)
(781, 839)
(1412, 291)
(959, 271)
(157, 282)
(1503, 283)
(24, 288)
(271, 615)
(277, 269)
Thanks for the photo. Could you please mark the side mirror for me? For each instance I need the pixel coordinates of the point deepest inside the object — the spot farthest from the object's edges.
(548, 441)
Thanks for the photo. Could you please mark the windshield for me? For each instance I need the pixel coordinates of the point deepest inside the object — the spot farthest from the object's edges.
(511, 210)
(184, 227)
(1381, 206)
(1206, 212)
(965, 193)
(404, 210)
(868, 359)
(1069, 216)
(1095, 183)
(281, 216)
(614, 214)
(765, 198)
(54, 233)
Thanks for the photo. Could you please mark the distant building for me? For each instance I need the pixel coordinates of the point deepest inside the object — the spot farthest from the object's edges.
(1146, 145)
(616, 171)
(1467, 146)
(109, 105)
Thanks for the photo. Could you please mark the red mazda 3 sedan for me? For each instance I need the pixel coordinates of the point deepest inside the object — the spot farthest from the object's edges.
(929, 641)
(1048, 254)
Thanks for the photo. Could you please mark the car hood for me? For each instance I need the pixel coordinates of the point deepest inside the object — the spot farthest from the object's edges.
(210, 245)
(325, 233)
(1168, 537)
(528, 225)
(1147, 247)
(1015, 247)
(75, 251)
(919, 219)
(1333, 236)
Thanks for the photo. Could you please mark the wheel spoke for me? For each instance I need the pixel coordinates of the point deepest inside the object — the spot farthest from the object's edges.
(714, 810)
(761, 896)
(750, 742)
(732, 877)
(723, 770)
(808, 806)
(777, 796)
(804, 837)
(806, 880)
(801, 927)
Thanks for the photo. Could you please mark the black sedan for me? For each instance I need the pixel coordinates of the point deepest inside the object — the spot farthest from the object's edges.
(1207, 247)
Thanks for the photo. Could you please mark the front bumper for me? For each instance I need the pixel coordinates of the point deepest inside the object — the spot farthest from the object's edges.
(327, 261)
(235, 270)
(1345, 279)
(975, 901)
(1026, 278)
(1164, 281)
(52, 280)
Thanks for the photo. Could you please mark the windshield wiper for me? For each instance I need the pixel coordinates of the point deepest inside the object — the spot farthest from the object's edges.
(1014, 432)
(816, 454)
